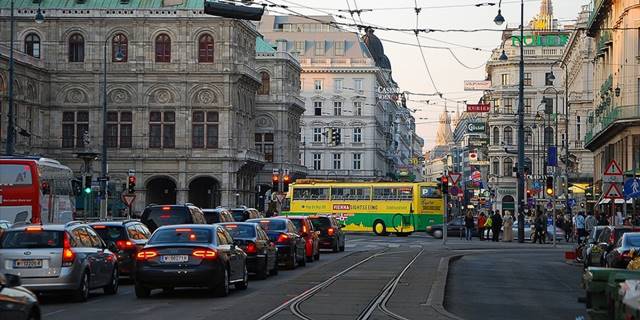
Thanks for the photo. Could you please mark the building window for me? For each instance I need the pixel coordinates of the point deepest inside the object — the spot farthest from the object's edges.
(339, 48)
(496, 106)
(75, 125)
(496, 136)
(357, 84)
(264, 144)
(338, 84)
(319, 48)
(163, 48)
(162, 129)
(508, 105)
(357, 107)
(357, 161)
(357, 135)
(547, 79)
(205, 48)
(119, 129)
(337, 161)
(505, 79)
(527, 105)
(76, 48)
(337, 108)
(507, 167)
(548, 136)
(204, 132)
(578, 131)
(32, 45)
(119, 48)
(317, 85)
(508, 136)
(495, 167)
(527, 79)
(298, 46)
(317, 108)
(317, 135)
(265, 84)
(528, 136)
(317, 161)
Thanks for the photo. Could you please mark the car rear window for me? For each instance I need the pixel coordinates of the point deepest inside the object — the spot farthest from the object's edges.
(181, 235)
(238, 215)
(321, 223)
(620, 232)
(156, 217)
(241, 231)
(20, 239)
(109, 233)
(269, 225)
(298, 223)
(632, 240)
(212, 216)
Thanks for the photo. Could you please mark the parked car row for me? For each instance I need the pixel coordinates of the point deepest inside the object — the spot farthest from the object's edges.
(610, 246)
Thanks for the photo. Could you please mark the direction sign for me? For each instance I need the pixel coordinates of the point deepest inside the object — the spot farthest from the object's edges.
(455, 177)
(128, 199)
(632, 188)
(613, 179)
(613, 169)
(613, 192)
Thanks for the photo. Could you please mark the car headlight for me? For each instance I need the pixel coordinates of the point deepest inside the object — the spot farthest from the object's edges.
(429, 228)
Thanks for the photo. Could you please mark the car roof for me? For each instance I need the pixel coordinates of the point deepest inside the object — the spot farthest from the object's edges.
(238, 224)
(297, 217)
(112, 223)
(267, 219)
(45, 227)
(192, 226)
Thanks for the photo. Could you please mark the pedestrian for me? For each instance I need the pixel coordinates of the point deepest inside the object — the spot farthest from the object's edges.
(619, 220)
(496, 226)
(507, 235)
(482, 220)
(579, 223)
(487, 226)
(469, 225)
(540, 224)
(589, 222)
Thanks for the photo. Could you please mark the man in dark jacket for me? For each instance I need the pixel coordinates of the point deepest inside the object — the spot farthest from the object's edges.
(496, 226)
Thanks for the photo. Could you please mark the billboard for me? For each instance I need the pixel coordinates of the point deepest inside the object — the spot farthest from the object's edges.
(477, 85)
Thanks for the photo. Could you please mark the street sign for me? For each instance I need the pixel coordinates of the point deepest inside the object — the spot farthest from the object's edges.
(613, 169)
(478, 107)
(103, 178)
(454, 191)
(613, 192)
(551, 170)
(128, 199)
(632, 188)
(572, 202)
(613, 179)
(552, 158)
(476, 127)
(455, 177)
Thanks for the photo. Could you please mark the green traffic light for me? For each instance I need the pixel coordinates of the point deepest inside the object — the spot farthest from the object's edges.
(87, 190)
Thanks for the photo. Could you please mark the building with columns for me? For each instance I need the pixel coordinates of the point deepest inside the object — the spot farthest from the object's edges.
(183, 109)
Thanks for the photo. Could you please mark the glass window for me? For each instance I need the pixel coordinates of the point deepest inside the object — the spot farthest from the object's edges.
(496, 136)
(205, 48)
(317, 135)
(319, 48)
(75, 126)
(339, 48)
(430, 192)
(338, 83)
(527, 78)
(95, 238)
(357, 135)
(19, 239)
(32, 45)
(505, 79)
(311, 194)
(317, 108)
(508, 136)
(317, 84)
(241, 231)
(350, 193)
(204, 131)
(119, 48)
(508, 105)
(337, 108)
(76, 48)
(163, 48)
(392, 193)
(299, 47)
(507, 167)
(337, 161)
(357, 84)
(317, 161)
(15, 174)
(265, 85)
(357, 161)
(162, 129)
(547, 79)
(357, 106)
(181, 235)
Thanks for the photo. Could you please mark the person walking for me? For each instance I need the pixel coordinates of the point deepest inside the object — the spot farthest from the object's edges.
(496, 226)
(540, 224)
(469, 225)
(507, 235)
(590, 222)
(619, 220)
(580, 227)
(487, 226)
(482, 219)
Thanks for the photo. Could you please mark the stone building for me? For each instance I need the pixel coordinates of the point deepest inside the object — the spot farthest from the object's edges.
(181, 96)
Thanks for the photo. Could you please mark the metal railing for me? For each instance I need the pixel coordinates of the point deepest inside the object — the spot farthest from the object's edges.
(602, 122)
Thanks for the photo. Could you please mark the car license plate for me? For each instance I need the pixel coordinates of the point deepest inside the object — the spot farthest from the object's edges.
(27, 263)
(174, 258)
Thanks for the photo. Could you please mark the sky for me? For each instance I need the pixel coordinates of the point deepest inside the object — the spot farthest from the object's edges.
(448, 74)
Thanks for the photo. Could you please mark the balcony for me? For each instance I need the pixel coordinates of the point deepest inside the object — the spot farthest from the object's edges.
(598, 10)
(610, 122)
(605, 39)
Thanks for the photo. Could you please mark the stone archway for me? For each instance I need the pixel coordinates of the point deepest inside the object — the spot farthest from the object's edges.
(161, 190)
(204, 192)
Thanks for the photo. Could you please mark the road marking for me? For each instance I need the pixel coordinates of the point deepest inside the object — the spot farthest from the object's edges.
(393, 245)
(53, 312)
(416, 246)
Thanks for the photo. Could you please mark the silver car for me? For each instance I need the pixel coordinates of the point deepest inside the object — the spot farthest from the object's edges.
(50, 258)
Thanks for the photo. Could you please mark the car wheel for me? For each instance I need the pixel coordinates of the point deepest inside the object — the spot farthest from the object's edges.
(317, 255)
(342, 247)
(336, 247)
(112, 287)
(274, 271)
(82, 294)
(437, 234)
(309, 258)
(34, 314)
(245, 280)
(222, 289)
(303, 262)
(263, 273)
(379, 228)
(141, 291)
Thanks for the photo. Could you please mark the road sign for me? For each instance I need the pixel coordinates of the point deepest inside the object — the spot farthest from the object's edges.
(632, 188)
(613, 192)
(572, 202)
(128, 199)
(613, 169)
(613, 179)
(552, 156)
(550, 205)
(455, 177)
(454, 191)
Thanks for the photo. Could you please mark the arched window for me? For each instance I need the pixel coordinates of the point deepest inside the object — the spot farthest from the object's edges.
(508, 136)
(495, 167)
(496, 136)
(119, 48)
(76, 48)
(265, 86)
(507, 167)
(548, 136)
(163, 48)
(528, 136)
(205, 48)
(32, 45)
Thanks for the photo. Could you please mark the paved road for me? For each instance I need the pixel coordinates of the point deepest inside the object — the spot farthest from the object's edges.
(512, 284)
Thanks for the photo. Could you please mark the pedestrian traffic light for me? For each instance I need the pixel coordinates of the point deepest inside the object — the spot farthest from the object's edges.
(445, 184)
(275, 180)
(549, 188)
(285, 182)
(337, 136)
(87, 184)
(131, 187)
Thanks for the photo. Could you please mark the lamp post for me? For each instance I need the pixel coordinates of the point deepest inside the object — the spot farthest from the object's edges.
(499, 19)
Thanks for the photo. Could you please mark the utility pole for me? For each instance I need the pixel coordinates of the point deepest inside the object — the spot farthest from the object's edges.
(521, 131)
(11, 126)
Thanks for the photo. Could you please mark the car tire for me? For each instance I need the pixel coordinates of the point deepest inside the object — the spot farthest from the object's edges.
(221, 289)
(336, 247)
(82, 293)
(34, 314)
(245, 280)
(141, 291)
(303, 262)
(379, 228)
(112, 287)
(263, 273)
(309, 258)
(437, 234)
(316, 256)
(342, 247)
(274, 271)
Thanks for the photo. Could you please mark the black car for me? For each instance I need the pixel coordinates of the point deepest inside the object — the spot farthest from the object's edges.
(125, 239)
(455, 228)
(620, 255)
(331, 234)
(157, 216)
(244, 214)
(607, 240)
(190, 255)
(16, 302)
(262, 255)
(217, 215)
(290, 245)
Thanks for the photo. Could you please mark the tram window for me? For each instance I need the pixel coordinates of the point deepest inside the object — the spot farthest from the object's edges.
(392, 193)
(311, 193)
(350, 193)
(430, 192)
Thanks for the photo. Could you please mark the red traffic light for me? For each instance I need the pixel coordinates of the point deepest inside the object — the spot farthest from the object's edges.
(445, 180)
(286, 179)
(275, 178)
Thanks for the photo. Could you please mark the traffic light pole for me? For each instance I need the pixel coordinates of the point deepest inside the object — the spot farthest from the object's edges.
(445, 212)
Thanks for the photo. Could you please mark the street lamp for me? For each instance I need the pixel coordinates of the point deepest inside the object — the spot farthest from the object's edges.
(503, 56)
(499, 19)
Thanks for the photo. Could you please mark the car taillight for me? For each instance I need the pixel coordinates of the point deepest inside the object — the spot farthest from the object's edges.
(125, 244)
(304, 228)
(282, 238)
(612, 238)
(251, 248)
(331, 231)
(146, 254)
(68, 256)
(204, 253)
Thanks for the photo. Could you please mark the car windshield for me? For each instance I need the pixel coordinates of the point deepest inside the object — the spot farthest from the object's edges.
(632, 240)
(20, 239)
(321, 223)
(238, 215)
(163, 216)
(212, 216)
(109, 233)
(298, 223)
(241, 231)
(269, 225)
(181, 235)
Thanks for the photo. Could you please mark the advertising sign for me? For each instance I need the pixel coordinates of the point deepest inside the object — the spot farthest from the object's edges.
(477, 85)
(478, 107)
(541, 40)
(476, 127)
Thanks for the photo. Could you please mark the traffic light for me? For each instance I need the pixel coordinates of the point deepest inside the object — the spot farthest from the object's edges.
(445, 184)
(87, 184)
(337, 136)
(285, 182)
(549, 188)
(131, 186)
(275, 180)
(529, 193)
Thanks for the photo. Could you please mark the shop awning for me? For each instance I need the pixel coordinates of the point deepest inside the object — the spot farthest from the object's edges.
(618, 201)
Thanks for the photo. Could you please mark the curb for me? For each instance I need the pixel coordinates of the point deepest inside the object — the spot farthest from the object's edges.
(439, 286)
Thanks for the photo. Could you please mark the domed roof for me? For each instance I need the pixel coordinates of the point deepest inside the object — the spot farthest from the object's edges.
(376, 48)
